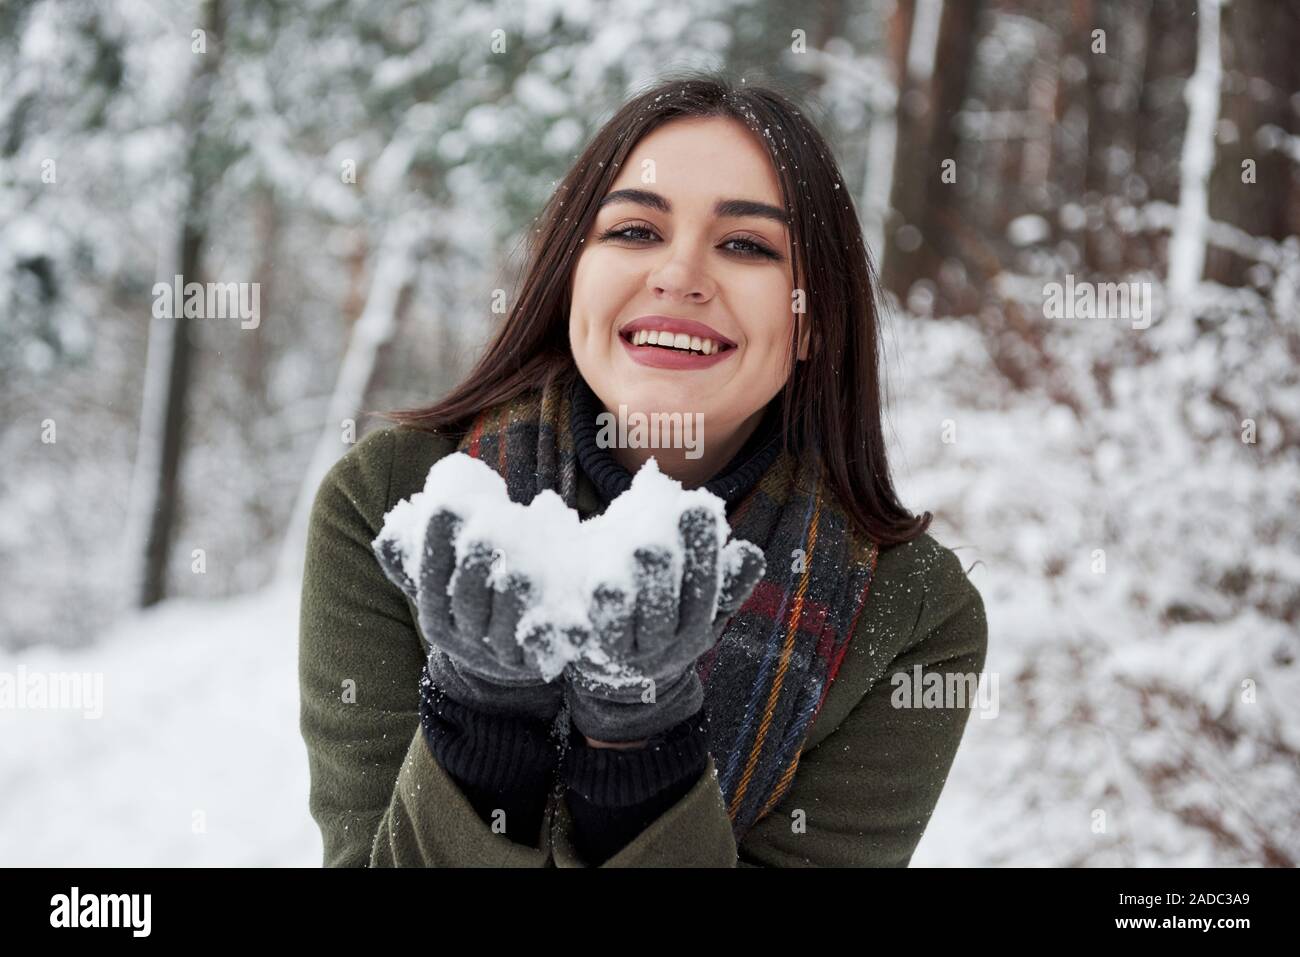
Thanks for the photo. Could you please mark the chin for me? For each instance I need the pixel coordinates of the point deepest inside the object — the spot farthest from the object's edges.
(661, 396)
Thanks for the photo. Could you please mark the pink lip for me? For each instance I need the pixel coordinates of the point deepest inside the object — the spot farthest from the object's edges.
(660, 358)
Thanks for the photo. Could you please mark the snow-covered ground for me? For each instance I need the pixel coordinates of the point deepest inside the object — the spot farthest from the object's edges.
(195, 761)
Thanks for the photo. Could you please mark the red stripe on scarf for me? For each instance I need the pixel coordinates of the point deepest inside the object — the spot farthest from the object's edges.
(475, 435)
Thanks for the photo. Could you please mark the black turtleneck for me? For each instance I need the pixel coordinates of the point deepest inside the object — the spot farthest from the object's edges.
(611, 479)
(504, 762)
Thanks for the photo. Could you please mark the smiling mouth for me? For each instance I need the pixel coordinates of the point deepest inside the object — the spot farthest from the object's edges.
(680, 342)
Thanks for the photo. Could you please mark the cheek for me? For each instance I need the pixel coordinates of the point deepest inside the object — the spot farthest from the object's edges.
(581, 279)
(591, 313)
(598, 291)
(584, 311)
(770, 336)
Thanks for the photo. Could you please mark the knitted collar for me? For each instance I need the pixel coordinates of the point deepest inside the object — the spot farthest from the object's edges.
(611, 479)
(766, 679)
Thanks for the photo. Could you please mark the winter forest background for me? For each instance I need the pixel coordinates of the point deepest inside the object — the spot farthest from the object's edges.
(1124, 491)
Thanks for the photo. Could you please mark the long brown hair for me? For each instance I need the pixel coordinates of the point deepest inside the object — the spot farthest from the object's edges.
(832, 400)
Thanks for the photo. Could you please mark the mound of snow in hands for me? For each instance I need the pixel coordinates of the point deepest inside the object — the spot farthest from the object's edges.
(565, 558)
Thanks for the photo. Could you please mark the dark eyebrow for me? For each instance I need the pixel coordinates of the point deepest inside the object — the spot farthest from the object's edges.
(723, 208)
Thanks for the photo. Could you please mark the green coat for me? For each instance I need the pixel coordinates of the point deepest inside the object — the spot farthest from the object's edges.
(866, 785)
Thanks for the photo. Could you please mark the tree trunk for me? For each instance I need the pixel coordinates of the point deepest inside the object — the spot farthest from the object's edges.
(1187, 244)
(920, 239)
(1114, 89)
(392, 277)
(1260, 73)
(156, 485)
(1161, 118)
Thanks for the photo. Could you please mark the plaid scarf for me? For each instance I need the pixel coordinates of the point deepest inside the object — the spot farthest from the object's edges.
(767, 678)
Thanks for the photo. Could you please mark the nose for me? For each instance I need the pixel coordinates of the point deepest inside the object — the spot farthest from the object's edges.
(678, 278)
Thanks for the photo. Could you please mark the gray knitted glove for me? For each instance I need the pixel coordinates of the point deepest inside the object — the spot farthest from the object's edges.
(636, 676)
(474, 656)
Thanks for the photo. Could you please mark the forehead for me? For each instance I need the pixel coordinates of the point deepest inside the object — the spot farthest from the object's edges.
(704, 157)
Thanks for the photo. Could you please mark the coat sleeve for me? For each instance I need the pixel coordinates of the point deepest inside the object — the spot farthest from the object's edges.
(864, 794)
(377, 793)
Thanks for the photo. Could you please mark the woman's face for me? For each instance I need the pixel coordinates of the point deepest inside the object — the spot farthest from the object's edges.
(724, 273)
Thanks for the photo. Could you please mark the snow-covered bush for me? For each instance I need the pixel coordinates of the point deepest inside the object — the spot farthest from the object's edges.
(1138, 556)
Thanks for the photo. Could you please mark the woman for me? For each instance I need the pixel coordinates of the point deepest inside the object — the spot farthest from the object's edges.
(713, 219)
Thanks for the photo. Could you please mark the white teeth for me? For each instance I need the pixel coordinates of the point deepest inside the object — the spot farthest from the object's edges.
(679, 340)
